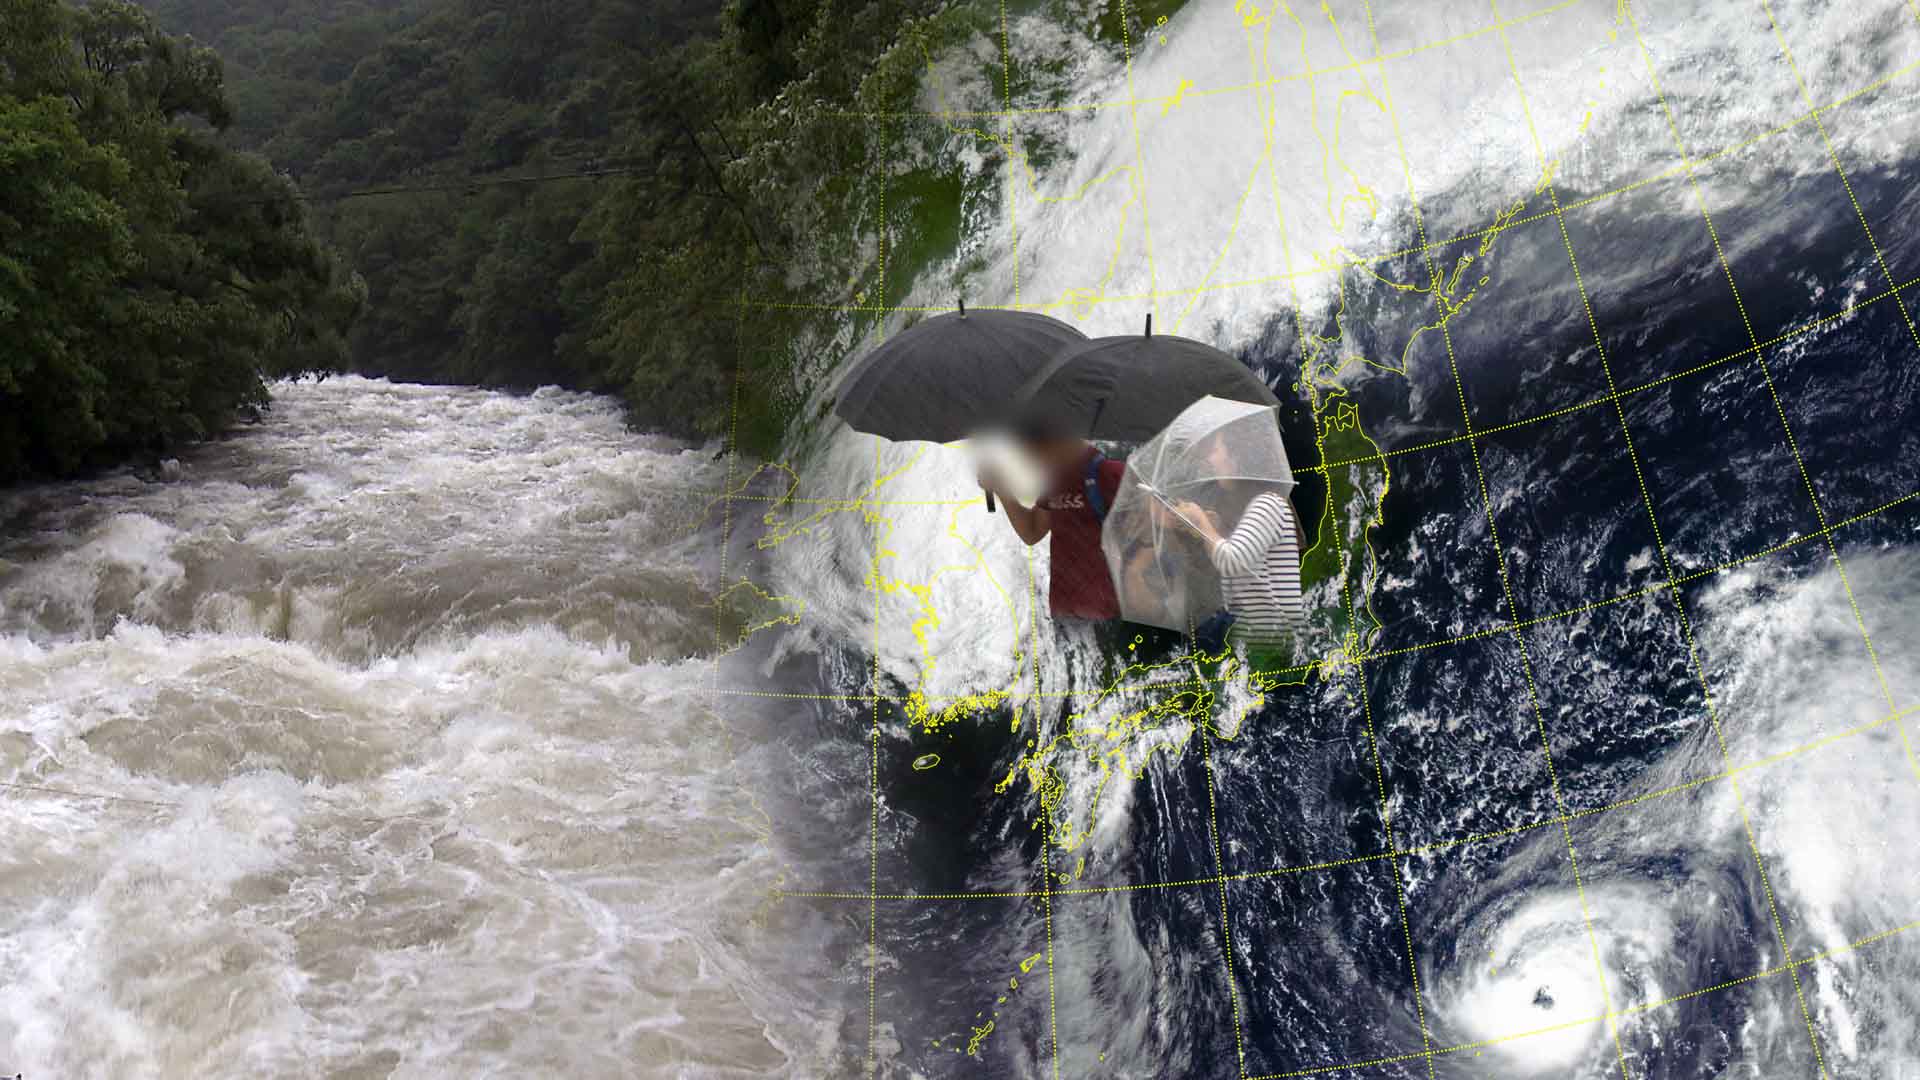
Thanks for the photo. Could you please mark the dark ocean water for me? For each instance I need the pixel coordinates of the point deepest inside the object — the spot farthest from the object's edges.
(1519, 921)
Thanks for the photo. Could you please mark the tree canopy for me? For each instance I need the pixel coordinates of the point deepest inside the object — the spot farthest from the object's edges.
(700, 208)
(726, 158)
(151, 278)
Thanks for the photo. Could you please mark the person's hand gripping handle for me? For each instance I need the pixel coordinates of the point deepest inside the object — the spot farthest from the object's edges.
(989, 480)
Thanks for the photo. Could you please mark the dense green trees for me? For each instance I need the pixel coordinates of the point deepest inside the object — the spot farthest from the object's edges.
(727, 154)
(580, 192)
(151, 279)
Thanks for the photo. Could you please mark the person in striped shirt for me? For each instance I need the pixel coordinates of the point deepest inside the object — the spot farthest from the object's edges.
(1259, 566)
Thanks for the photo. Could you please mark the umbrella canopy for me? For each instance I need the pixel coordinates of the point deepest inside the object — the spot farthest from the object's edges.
(1218, 454)
(1128, 388)
(952, 375)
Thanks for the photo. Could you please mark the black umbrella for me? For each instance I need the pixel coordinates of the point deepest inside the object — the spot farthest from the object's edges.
(1129, 388)
(950, 376)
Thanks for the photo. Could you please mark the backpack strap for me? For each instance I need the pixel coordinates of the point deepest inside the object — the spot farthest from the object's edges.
(1091, 481)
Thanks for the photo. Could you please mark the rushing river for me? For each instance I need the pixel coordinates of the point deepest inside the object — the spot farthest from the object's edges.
(377, 741)
(401, 736)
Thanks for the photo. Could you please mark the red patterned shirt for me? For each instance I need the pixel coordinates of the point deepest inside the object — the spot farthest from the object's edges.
(1082, 587)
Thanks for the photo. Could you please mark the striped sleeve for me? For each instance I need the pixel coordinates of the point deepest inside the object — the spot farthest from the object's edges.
(1265, 524)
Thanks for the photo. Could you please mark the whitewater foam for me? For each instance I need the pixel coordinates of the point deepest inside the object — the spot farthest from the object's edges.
(398, 710)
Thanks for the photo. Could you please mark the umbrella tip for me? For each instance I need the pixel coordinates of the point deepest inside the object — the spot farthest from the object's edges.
(1149, 324)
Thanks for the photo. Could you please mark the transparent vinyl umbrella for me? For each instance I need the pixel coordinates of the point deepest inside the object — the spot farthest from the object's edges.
(1214, 458)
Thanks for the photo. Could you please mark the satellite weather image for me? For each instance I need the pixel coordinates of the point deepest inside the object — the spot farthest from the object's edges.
(1041, 539)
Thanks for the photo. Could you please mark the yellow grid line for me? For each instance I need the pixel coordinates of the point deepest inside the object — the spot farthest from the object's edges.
(1393, 851)
(1834, 157)
(1219, 870)
(1363, 261)
(726, 513)
(1500, 558)
(873, 788)
(1606, 1016)
(1428, 1052)
(1006, 129)
(1033, 595)
(1255, 875)
(1267, 110)
(1381, 654)
(875, 521)
(1046, 815)
(41, 789)
(1347, 579)
(856, 501)
(1713, 712)
(1881, 258)
(1421, 851)
(1613, 396)
(1786, 427)
(1305, 76)
(1547, 168)
(1139, 159)
(1207, 766)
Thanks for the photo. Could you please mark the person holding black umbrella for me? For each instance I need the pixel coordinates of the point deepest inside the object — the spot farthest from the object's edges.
(1124, 389)
(954, 376)
(1081, 484)
(959, 375)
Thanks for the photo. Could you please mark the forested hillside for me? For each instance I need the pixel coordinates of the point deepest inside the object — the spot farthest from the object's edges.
(151, 278)
(521, 192)
(724, 148)
(282, 59)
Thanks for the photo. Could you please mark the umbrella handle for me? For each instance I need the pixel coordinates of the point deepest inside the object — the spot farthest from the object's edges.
(989, 502)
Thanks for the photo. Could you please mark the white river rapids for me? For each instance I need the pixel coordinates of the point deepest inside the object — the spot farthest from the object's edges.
(387, 740)
(404, 693)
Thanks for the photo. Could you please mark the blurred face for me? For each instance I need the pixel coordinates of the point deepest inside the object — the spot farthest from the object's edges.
(1054, 454)
(1220, 457)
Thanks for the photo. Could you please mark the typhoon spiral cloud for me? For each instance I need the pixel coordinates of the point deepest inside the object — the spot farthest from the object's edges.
(419, 730)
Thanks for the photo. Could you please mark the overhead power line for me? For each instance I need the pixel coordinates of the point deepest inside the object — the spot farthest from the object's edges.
(474, 183)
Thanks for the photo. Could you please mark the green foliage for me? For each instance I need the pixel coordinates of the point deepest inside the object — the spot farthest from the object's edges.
(740, 174)
(744, 158)
(64, 245)
(768, 198)
(283, 59)
(150, 279)
(1128, 22)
